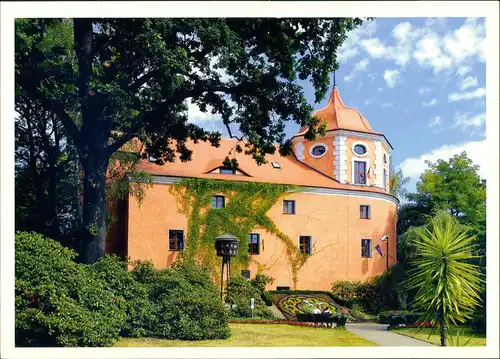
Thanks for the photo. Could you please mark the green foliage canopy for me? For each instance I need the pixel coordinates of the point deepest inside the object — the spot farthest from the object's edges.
(109, 80)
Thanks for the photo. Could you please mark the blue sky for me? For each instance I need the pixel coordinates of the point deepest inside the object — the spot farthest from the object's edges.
(420, 81)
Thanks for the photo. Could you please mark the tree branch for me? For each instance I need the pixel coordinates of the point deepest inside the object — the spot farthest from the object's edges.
(83, 49)
(142, 80)
(178, 97)
(52, 106)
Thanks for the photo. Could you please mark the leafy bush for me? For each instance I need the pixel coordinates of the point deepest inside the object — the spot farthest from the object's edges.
(260, 281)
(362, 293)
(478, 323)
(59, 302)
(398, 317)
(140, 311)
(187, 305)
(62, 303)
(240, 290)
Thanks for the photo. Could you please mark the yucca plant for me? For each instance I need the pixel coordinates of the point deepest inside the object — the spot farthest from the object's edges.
(448, 286)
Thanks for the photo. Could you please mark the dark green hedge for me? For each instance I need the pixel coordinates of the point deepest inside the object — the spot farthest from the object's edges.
(62, 303)
(59, 302)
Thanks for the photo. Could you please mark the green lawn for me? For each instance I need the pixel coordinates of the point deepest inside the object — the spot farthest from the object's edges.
(477, 340)
(262, 335)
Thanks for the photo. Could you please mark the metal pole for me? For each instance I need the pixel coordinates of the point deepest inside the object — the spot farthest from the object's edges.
(222, 280)
(387, 252)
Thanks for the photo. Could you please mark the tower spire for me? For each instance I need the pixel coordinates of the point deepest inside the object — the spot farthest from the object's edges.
(334, 83)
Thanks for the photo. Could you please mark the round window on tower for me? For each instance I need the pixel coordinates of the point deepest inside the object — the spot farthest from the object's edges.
(359, 149)
(318, 150)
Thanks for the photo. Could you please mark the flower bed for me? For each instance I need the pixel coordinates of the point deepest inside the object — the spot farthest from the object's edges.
(339, 320)
(263, 321)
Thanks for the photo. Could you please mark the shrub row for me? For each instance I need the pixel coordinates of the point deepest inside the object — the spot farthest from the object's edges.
(366, 294)
(394, 318)
(241, 290)
(62, 303)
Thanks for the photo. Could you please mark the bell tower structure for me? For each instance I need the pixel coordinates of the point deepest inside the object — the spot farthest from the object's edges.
(351, 152)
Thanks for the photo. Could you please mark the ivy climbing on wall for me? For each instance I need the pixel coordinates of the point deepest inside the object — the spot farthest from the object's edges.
(123, 179)
(246, 207)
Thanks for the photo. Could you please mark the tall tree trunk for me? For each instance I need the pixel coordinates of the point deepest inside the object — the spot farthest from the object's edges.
(443, 332)
(93, 235)
(37, 180)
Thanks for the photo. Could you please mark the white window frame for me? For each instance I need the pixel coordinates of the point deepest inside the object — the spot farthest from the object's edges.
(362, 144)
(317, 145)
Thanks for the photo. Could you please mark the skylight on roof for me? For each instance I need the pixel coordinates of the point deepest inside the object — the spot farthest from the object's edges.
(276, 165)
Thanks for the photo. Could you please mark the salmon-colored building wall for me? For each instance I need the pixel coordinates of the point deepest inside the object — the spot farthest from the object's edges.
(324, 164)
(331, 220)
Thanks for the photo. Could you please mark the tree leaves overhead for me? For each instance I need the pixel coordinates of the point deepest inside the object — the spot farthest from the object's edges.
(134, 75)
(110, 80)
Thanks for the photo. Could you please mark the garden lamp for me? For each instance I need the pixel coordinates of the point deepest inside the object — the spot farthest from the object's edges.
(227, 247)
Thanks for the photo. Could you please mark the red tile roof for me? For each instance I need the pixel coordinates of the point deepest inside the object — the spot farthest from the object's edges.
(338, 116)
(206, 158)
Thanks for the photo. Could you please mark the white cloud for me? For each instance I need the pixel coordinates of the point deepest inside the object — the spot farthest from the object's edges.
(350, 46)
(462, 70)
(435, 122)
(207, 120)
(374, 47)
(404, 34)
(430, 46)
(466, 121)
(414, 167)
(387, 105)
(467, 41)
(480, 92)
(439, 22)
(423, 90)
(402, 31)
(359, 67)
(432, 102)
(391, 77)
(429, 54)
(469, 81)
(379, 89)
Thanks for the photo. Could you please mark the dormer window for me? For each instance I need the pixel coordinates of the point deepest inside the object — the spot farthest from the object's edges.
(226, 171)
(276, 165)
(318, 150)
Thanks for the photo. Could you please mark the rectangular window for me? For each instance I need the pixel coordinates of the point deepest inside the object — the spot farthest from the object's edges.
(366, 248)
(385, 177)
(305, 244)
(218, 202)
(364, 212)
(227, 171)
(359, 172)
(254, 243)
(288, 207)
(175, 239)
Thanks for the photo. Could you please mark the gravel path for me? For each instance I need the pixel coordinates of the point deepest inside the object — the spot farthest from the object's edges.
(379, 334)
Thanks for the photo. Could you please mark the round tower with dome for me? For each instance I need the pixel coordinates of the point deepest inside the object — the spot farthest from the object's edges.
(351, 152)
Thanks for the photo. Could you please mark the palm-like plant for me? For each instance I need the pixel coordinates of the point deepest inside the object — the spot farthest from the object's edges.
(448, 286)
